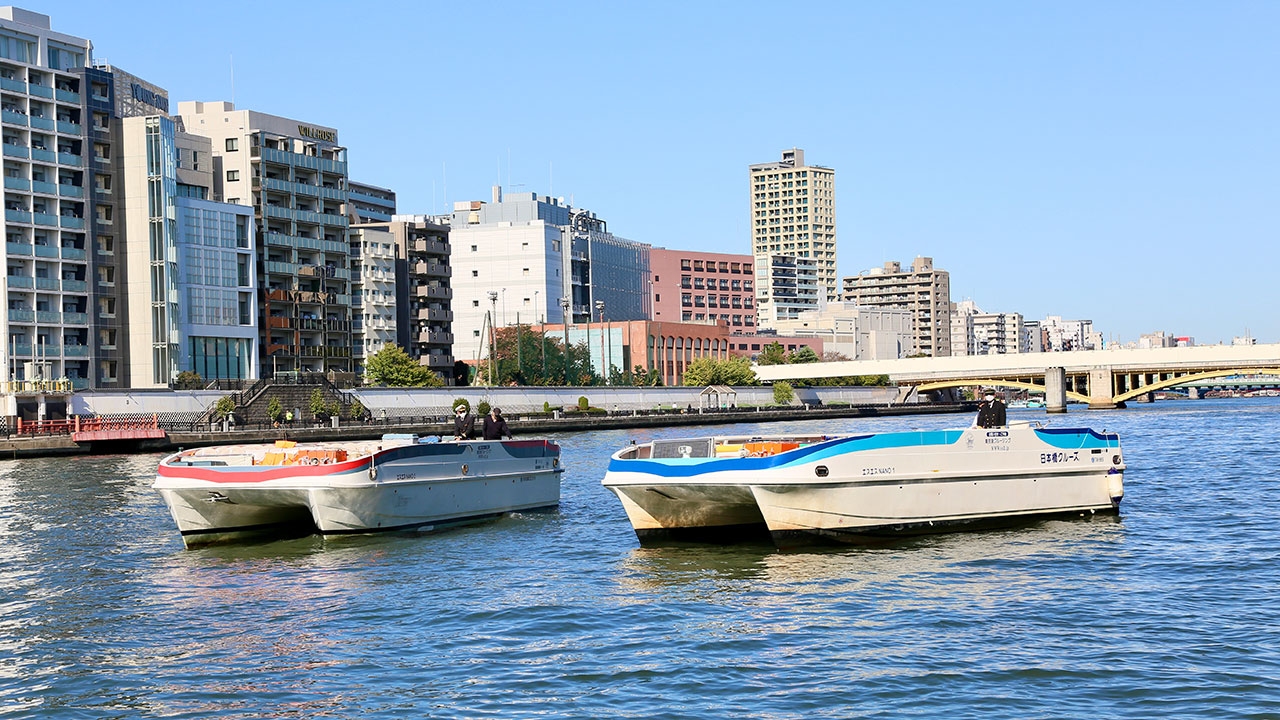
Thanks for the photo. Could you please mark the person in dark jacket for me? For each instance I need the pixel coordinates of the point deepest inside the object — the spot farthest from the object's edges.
(464, 424)
(495, 427)
(991, 411)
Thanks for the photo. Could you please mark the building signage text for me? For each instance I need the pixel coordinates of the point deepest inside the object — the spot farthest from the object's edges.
(150, 97)
(318, 134)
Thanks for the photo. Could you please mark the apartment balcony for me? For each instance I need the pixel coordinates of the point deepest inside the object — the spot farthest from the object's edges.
(435, 292)
(44, 188)
(75, 318)
(297, 188)
(43, 91)
(73, 253)
(22, 316)
(48, 317)
(14, 85)
(435, 337)
(42, 218)
(10, 117)
(75, 350)
(16, 183)
(73, 222)
(67, 96)
(324, 351)
(432, 269)
(437, 361)
(69, 128)
(21, 281)
(298, 160)
(42, 123)
(17, 216)
(305, 216)
(437, 247)
(435, 315)
(69, 190)
(21, 248)
(15, 150)
(280, 322)
(298, 241)
(69, 159)
(73, 285)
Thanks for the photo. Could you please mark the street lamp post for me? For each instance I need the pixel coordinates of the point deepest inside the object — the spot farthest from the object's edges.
(606, 363)
(493, 335)
(564, 306)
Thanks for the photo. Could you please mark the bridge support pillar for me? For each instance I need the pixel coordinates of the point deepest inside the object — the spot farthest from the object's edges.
(1055, 390)
(1193, 393)
(1101, 396)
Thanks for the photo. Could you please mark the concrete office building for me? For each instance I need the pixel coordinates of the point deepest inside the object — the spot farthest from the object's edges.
(533, 251)
(47, 234)
(858, 333)
(1032, 336)
(793, 212)
(785, 287)
(294, 175)
(423, 296)
(373, 292)
(922, 289)
(690, 286)
(369, 203)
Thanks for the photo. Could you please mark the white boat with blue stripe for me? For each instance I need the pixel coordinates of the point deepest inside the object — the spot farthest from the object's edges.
(857, 487)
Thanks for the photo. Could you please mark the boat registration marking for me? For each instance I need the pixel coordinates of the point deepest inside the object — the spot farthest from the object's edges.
(877, 471)
(407, 476)
(1060, 457)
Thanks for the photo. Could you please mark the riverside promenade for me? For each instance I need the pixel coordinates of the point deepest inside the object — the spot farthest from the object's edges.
(525, 425)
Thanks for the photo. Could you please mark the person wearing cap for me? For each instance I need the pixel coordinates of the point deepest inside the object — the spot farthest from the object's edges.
(991, 412)
(495, 427)
(464, 423)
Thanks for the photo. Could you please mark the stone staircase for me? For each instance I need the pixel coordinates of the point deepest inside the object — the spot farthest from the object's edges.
(253, 402)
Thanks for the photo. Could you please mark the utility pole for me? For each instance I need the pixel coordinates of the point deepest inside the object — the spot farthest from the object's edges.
(564, 305)
(519, 357)
(606, 363)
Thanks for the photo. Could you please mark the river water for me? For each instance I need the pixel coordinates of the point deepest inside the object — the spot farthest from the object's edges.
(1170, 610)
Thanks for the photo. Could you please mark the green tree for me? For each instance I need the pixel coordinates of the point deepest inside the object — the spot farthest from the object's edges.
(918, 355)
(583, 403)
(803, 355)
(318, 404)
(524, 352)
(391, 366)
(274, 410)
(356, 409)
(463, 403)
(483, 408)
(772, 354)
(782, 393)
(188, 380)
(225, 407)
(710, 371)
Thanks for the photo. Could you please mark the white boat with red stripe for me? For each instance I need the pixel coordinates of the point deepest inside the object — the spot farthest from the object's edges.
(229, 493)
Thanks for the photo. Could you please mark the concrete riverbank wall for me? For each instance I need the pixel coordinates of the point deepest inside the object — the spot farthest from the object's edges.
(429, 401)
(42, 445)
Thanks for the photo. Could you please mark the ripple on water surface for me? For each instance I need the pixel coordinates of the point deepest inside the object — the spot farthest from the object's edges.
(1168, 610)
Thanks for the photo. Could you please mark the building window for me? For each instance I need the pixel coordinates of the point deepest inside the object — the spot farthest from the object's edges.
(475, 273)
(526, 272)
(475, 303)
(233, 144)
(473, 248)
(233, 175)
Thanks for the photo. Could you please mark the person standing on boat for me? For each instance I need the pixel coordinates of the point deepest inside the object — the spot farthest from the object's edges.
(991, 412)
(495, 427)
(464, 423)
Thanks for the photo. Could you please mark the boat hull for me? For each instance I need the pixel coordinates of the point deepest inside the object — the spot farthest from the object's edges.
(409, 488)
(863, 487)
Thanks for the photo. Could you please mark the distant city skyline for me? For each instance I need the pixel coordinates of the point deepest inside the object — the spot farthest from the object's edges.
(1091, 161)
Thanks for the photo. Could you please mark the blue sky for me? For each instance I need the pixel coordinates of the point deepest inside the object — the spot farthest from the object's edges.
(1112, 161)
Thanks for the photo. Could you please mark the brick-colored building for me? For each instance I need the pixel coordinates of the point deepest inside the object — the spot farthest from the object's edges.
(668, 346)
(690, 286)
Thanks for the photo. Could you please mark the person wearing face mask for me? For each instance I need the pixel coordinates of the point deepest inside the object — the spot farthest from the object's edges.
(464, 424)
(991, 412)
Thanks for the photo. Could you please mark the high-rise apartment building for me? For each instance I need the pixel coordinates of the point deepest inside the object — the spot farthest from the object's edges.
(47, 326)
(1065, 335)
(785, 287)
(533, 252)
(370, 203)
(793, 212)
(374, 316)
(422, 292)
(689, 286)
(294, 175)
(922, 289)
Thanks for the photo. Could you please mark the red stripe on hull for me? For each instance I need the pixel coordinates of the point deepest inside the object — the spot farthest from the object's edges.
(253, 476)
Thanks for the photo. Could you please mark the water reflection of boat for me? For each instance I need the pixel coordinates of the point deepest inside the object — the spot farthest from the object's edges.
(851, 488)
(226, 493)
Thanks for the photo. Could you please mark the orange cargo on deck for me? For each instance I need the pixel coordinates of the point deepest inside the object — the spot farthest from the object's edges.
(765, 449)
